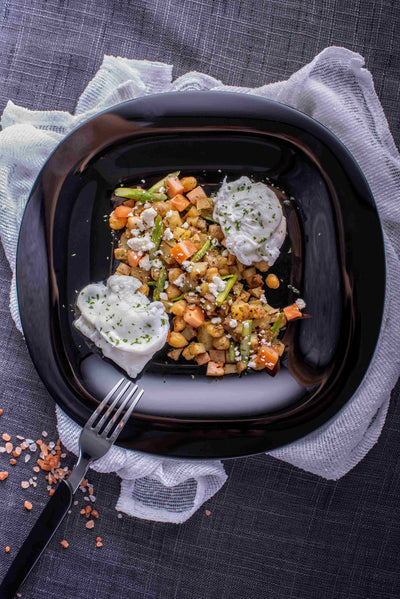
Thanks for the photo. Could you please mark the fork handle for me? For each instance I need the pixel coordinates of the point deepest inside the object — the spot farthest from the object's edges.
(37, 540)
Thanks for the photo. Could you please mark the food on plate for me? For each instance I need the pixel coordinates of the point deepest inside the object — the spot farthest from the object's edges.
(122, 322)
(203, 262)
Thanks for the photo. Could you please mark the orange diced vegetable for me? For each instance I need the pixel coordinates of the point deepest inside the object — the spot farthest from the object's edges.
(117, 223)
(179, 202)
(134, 258)
(217, 355)
(130, 203)
(122, 211)
(196, 194)
(292, 312)
(214, 369)
(194, 316)
(174, 186)
(267, 356)
(183, 250)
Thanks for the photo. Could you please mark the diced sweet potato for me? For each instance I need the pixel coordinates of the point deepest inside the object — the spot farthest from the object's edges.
(202, 359)
(134, 258)
(194, 316)
(183, 250)
(292, 312)
(116, 223)
(174, 186)
(195, 194)
(214, 369)
(217, 355)
(267, 356)
(179, 202)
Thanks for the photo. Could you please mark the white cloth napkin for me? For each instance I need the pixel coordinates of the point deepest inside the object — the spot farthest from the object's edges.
(334, 89)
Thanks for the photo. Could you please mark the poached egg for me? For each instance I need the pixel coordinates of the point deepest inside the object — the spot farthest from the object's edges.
(122, 322)
(252, 220)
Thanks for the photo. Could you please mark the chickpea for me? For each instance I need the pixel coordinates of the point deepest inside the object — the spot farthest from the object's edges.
(215, 330)
(188, 183)
(221, 342)
(178, 307)
(116, 223)
(173, 291)
(173, 274)
(272, 281)
(177, 340)
(211, 273)
(179, 323)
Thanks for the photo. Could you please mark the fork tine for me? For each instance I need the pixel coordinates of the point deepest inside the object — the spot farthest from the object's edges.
(103, 404)
(117, 415)
(125, 417)
(115, 400)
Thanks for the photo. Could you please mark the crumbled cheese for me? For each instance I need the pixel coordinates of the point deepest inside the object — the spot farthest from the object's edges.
(213, 289)
(141, 243)
(169, 214)
(216, 320)
(168, 234)
(252, 364)
(214, 241)
(263, 299)
(185, 225)
(300, 303)
(162, 190)
(233, 323)
(163, 296)
(145, 262)
(187, 265)
(148, 217)
(219, 283)
(156, 263)
(225, 253)
(180, 281)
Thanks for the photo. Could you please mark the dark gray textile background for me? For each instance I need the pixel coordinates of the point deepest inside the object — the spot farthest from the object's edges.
(274, 531)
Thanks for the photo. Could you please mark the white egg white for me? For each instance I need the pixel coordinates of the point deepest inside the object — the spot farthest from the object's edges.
(252, 220)
(122, 322)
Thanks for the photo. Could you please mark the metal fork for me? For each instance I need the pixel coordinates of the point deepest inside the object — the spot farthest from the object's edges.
(97, 437)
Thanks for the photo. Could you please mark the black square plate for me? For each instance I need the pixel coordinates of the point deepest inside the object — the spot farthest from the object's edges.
(334, 255)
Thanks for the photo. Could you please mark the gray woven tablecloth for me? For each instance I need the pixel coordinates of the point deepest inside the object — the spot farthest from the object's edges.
(294, 536)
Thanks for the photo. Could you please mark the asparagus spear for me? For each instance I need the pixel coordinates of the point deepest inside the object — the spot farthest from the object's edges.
(245, 341)
(202, 251)
(221, 297)
(276, 326)
(162, 277)
(156, 236)
(231, 352)
(161, 183)
(139, 195)
(177, 298)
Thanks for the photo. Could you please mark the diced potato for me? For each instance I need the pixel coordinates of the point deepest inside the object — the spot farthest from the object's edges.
(214, 369)
(279, 347)
(215, 330)
(198, 270)
(231, 259)
(178, 307)
(196, 239)
(189, 333)
(215, 232)
(121, 254)
(181, 233)
(154, 272)
(173, 220)
(133, 222)
(203, 203)
(188, 183)
(262, 265)
(192, 220)
(240, 367)
(123, 241)
(211, 273)
(174, 354)
(129, 203)
(173, 291)
(221, 342)
(195, 194)
(255, 280)
(257, 311)
(237, 288)
(202, 359)
(204, 288)
(162, 207)
(244, 296)
(166, 253)
(194, 316)
(145, 289)
(139, 273)
(192, 350)
(123, 269)
(230, 369)
(249, 272)
(177, 340)
(217, 355)
(257, 292)
(174, 273)
(179, 323)
(192, 212)
(204, 337)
